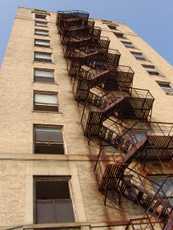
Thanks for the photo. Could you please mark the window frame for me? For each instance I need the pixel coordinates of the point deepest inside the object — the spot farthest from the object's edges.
(52, 178)
(40, 15)
(47, 145)
(166, 87)
(151, 69)
(42, 45)
(112, 27)
(119, 34)
(47, 60)
(45, 106)
(41, 30)
(151, 176)
(128, 44)
(140, 57)
(44, 79)
(41, 23)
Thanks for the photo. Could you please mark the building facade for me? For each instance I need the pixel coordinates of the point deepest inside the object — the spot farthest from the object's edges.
(86, 126)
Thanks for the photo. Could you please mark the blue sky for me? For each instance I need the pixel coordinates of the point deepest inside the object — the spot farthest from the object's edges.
(151, 19)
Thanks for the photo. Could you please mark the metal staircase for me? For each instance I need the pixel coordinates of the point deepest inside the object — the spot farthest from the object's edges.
(119, 115)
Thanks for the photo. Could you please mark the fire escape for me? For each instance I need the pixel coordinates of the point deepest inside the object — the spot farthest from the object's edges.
(116, 114)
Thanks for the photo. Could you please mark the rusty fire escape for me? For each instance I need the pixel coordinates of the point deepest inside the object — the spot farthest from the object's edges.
(119, 115)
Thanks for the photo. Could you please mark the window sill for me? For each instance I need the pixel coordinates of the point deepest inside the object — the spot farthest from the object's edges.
(42, 46)
(44, 35)
(42, 61)
(47, 111)
(45, 82)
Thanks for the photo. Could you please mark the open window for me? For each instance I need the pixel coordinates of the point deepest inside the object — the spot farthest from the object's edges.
(45, 101)
(52, 201)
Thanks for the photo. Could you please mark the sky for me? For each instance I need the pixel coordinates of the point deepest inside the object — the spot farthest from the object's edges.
(151, 19)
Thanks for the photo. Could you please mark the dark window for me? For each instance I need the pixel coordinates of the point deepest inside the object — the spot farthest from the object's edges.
(119, 34)
(112, 27)
(42, 42)
(43, 75)
(40, 16)
(128, 44)
(166, 86)
(48, 139)
(138, 55)
(42, 56)
(106, 21)
(52, 199)
(41, 32)
(45, 101)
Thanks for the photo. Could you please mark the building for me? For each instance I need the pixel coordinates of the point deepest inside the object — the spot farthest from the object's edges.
(86, 126)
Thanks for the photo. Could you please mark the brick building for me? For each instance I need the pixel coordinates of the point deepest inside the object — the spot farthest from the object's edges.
(86, 126)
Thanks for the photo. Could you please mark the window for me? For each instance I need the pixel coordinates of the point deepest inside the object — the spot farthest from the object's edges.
(40, 16)
(106, 21)
(39, 11)
(42, 56)
(42, 43)
(41, 23)
(128, 44)
(167, 187)
(138, 55)
(112, 27)
(166, 86)
(41, 32)
(119, 34)
(151, 69)
(48, 139)
(43, 75)
(45, 101)
(52, 199)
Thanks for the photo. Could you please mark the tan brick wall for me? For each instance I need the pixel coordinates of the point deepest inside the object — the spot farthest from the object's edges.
(18, 164)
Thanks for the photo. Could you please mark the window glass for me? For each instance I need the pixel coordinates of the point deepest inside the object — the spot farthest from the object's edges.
(45, 134)
(166, 183)
(138, 55)
(166, 86)
(128, 44)
(53, 201)
(41, 42)
(41, 22)
(41, 32)
(45, 99)
(151, 69)
(119, 34)
(42, 56)
(44, 75)
(41, 16)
